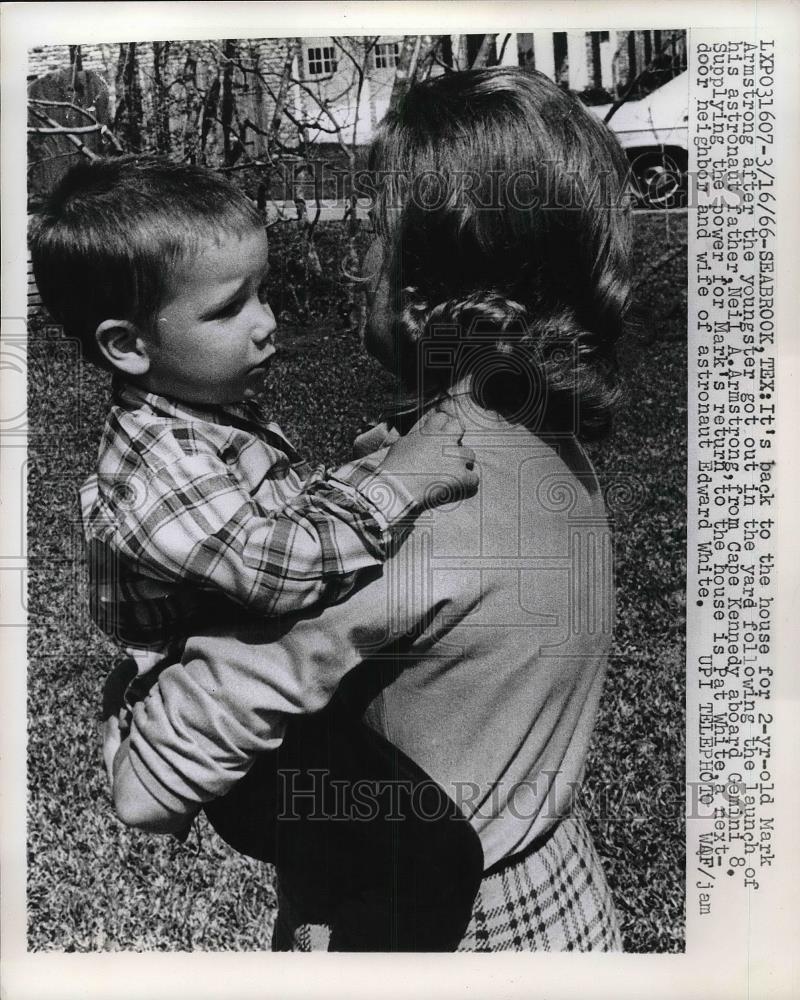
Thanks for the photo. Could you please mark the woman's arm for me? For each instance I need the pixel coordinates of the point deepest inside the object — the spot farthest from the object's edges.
(136, 806)
(206, 720)
(209, 717)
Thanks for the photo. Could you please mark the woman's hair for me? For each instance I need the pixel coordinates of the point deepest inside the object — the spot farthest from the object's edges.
(504, 208)
(106, 242)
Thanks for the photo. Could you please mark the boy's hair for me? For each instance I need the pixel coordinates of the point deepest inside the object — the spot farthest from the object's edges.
(107, 240)
(503, 203)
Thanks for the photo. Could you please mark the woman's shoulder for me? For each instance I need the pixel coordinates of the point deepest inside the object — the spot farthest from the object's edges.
(517, 463)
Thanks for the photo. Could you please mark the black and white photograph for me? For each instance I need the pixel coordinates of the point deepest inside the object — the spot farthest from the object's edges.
(382, 428)
(465, 257)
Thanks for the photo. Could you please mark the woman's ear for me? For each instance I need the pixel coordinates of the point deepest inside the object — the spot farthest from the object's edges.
(121, 343)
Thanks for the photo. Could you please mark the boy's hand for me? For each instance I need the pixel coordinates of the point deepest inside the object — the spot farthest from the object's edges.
(436, 468)
(377, 437)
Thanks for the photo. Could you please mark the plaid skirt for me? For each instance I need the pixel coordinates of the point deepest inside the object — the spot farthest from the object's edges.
(554, 898)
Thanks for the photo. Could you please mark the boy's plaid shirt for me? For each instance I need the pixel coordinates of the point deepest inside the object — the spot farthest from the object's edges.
(190, 506)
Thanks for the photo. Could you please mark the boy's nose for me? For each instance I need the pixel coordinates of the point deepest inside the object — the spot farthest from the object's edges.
(265, 326)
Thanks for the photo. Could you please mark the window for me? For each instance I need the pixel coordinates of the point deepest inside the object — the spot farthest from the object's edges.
(321, 60)
(386, 54)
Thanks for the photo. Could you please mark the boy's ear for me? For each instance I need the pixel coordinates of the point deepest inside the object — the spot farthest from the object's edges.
(121, 343)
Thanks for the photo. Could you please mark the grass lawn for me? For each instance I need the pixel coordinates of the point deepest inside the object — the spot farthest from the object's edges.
(95, 885)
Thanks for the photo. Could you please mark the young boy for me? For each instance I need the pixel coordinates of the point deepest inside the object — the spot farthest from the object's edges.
(199, 509)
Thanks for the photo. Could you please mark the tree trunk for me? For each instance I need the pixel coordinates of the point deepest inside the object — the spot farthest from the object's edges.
(260, 146)
(159, 94)
(128, 118)
(429, 48)
(229, 153)
(283, 89)
(191, 107)
(209, 123)
(404, 73)
(486, 54)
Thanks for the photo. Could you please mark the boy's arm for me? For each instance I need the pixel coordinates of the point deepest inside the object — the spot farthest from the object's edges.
(194, 522)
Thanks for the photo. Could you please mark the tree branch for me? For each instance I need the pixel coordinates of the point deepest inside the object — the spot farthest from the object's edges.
(55, 127)
(63, 104)
(105, 131)
(67, 130)
(649, 68)
(503, 49)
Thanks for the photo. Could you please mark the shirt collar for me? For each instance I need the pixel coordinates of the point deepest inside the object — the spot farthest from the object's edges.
(245, 415)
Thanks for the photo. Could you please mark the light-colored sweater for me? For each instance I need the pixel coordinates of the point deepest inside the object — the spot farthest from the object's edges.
(490, 624)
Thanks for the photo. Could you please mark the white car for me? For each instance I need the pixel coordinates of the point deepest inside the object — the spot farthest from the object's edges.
(654, 132)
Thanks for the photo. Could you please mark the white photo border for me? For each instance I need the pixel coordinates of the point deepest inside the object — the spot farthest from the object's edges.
(715, 964)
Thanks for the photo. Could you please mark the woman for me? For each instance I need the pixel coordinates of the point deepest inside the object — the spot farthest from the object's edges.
(499, 284)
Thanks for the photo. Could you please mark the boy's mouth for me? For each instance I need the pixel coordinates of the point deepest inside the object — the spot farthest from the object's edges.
(264, 363)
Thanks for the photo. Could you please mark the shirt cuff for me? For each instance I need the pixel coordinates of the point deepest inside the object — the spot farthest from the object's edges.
(382, 493)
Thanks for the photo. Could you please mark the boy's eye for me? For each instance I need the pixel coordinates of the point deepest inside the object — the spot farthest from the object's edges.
(231, 309)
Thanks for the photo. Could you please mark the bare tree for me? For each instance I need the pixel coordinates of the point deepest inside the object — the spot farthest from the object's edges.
(292, 51)
(487, 53)
(159, 97)
(230, 150)
(404, 71)
(192, 104)
(359, 60)
(128, 117)
(232, 106)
